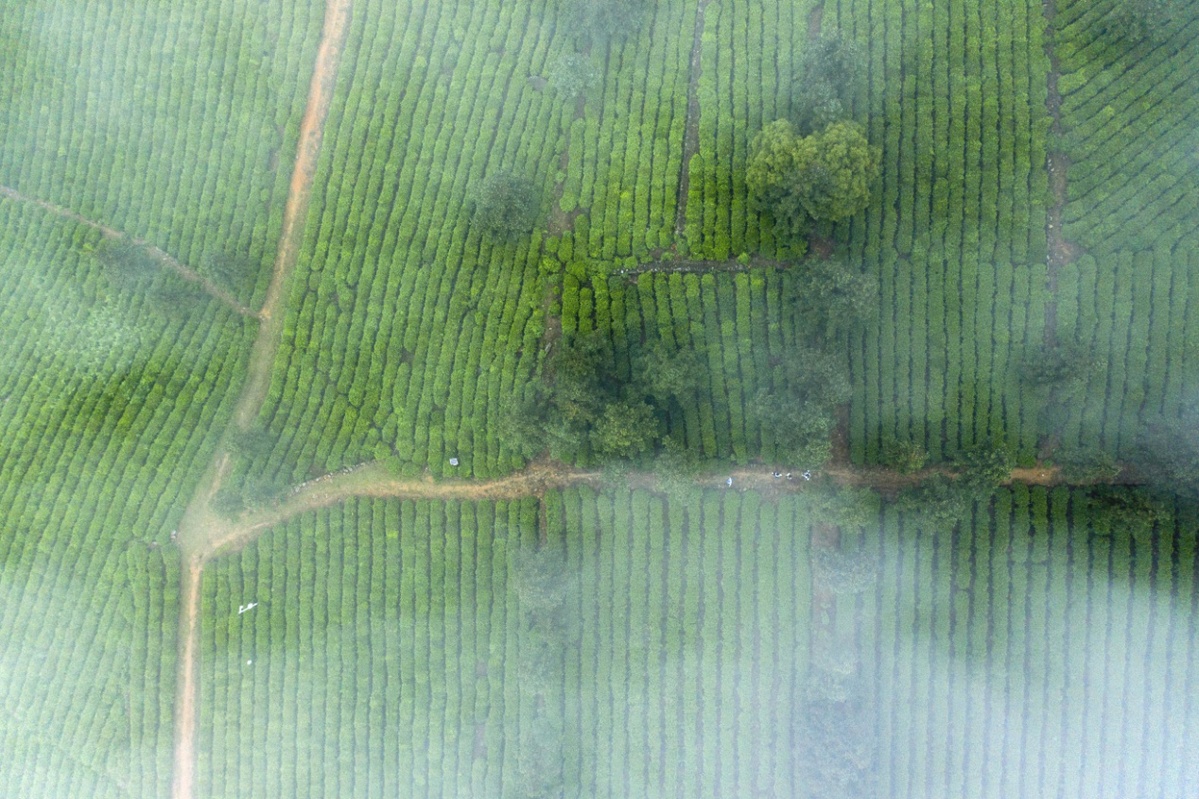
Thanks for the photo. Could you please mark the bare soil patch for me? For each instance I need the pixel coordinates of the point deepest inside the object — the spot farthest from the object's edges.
(186, 688)
(815, 18)
(691, 125)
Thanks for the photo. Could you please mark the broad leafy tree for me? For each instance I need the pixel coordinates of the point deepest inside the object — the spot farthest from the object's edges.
(799, 180)
(825, 82)
(506, 204)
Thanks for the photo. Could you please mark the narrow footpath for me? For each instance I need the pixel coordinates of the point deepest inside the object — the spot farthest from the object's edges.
(163, 258)
(200, 526)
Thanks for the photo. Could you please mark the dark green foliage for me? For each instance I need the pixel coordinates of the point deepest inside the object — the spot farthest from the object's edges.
(825, 83)
(601, 21)
(665, 373)
(943, 500)
(821, 178)
(837, 746)
(539, 759)
(905, 457)
(832, 297)
(237, 272)
(984, 467)
(543, 579)
(849, 508)
(506, 204)
(845, 572)
(582, 404)
(573, 75)
(523, 419)
(1146, 20)
(1063, 368)
(128, 266)
(1166, 455)
(1086, 465)
(799, 429)
(940, 502)
(255, 443)
(798, 412)
(1124, 510)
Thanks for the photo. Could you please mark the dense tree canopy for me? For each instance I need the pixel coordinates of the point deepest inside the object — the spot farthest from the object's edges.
(601, 21)
(832, 297)
(825, 82)
(824, 177)
(506, 204)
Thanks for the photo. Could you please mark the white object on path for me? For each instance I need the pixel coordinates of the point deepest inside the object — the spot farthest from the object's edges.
(243, 608)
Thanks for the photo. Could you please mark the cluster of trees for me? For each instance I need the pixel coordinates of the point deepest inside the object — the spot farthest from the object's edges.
(946, 498)
(824, 177)
(248, 484)
(800, 407)
(597, 22)
(505, 204)
(816, 168)
(581, 405)
(828, 75)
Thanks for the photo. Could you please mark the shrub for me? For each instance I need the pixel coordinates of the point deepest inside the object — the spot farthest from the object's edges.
(506, 205)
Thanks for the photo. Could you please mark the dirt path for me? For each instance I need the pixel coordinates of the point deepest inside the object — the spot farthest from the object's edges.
(200, 526)
(372, 480)
(312, 129)
(186, 689)
(164, 259)
(691, 125)
(732, 265)
(1060, 251)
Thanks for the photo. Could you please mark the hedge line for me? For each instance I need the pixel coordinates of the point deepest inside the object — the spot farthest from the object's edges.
(406, 327)
(112, 408)
(956, 231)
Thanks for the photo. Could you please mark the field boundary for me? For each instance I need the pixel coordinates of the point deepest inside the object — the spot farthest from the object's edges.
(164, 258)
(701, 266)
(371, 480)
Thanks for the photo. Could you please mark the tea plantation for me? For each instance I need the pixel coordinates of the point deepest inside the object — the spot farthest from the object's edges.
(691, 345)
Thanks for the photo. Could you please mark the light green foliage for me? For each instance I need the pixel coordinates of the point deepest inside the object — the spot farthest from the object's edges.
(625, 429)
(109, 409)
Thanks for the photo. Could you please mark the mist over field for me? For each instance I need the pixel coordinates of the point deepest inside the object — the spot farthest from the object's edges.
(549, 399)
